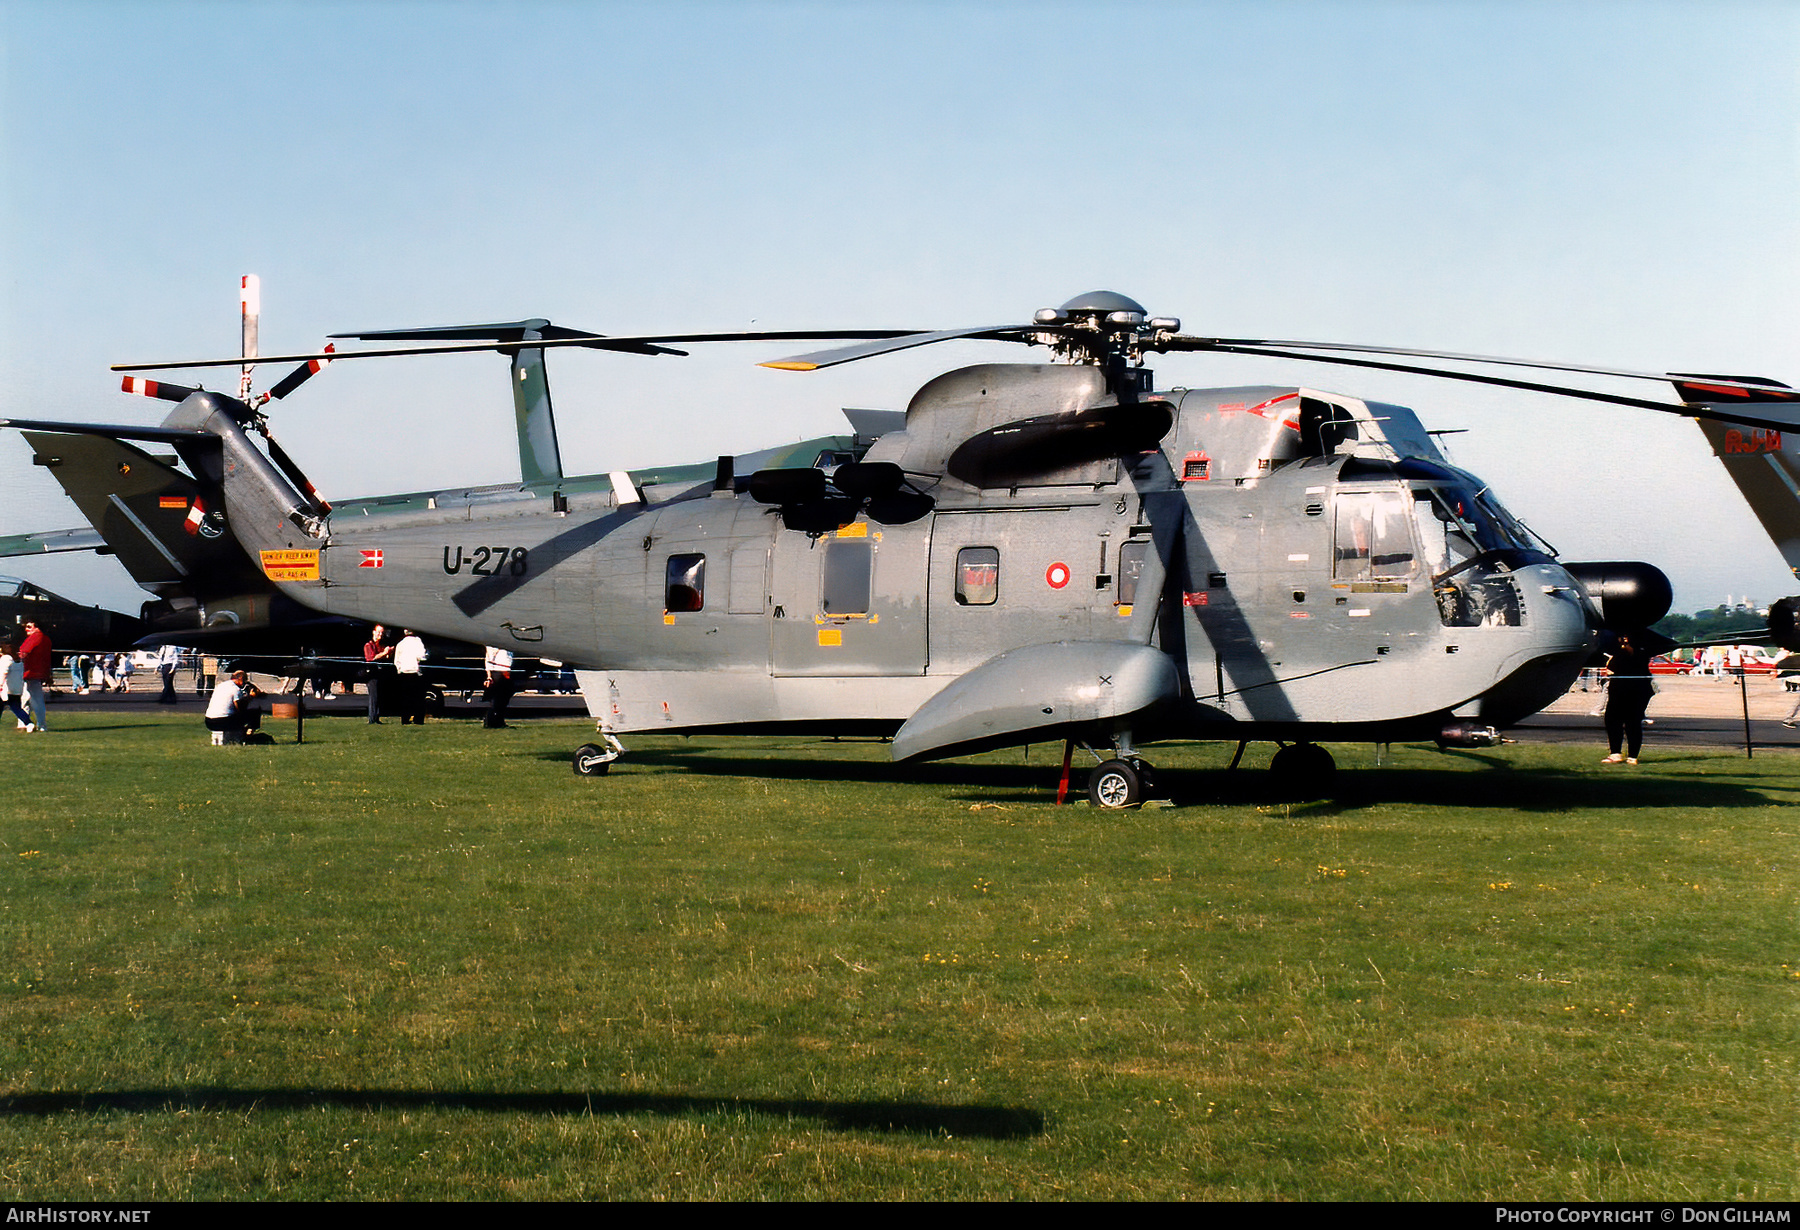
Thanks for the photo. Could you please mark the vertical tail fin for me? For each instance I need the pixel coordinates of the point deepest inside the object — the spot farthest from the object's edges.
(540, 460)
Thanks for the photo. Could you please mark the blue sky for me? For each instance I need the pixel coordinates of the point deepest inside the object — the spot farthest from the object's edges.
(1614, 184)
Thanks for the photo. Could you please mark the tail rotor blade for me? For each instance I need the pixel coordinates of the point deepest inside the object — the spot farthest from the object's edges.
(300, 375)
(250, 301)
(155, 388)
(297, 476)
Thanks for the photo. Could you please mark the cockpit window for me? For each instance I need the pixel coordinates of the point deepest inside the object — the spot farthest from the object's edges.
(1456, 524)
(1467, 540)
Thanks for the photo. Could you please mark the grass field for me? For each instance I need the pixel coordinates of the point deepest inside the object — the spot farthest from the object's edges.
(435, 964)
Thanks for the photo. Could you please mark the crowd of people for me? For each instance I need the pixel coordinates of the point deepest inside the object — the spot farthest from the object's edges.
(393, 675)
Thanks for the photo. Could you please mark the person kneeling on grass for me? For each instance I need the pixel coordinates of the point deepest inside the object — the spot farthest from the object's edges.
(232, 711)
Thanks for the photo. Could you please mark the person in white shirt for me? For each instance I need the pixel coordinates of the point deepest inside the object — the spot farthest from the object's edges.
(409, 655)
(167, 659)
(232, 710)
(12, 687)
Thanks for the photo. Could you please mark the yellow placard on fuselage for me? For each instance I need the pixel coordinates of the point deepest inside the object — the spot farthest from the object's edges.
(291, 565)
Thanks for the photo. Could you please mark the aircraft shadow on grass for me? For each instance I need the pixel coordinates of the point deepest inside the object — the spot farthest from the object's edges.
(931, 1118)
(1506, 786)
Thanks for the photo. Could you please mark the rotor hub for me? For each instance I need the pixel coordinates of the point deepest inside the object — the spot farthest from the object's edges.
(1102, 327)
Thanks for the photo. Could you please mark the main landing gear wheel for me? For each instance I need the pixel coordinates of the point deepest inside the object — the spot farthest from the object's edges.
(1303, 771)
(592, 760)
(1116, 784)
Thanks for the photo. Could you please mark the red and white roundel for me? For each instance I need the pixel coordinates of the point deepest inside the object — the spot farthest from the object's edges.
(1056, 575)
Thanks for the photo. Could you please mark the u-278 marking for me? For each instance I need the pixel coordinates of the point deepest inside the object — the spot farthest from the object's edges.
(488, 561)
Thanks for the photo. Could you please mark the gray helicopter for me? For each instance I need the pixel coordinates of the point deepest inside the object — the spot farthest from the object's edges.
(1034, 552)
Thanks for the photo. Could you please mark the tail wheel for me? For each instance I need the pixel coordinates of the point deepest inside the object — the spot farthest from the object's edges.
(592, 760)
(1116, 784)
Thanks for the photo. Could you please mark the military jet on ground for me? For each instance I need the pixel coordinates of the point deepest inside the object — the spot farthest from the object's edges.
(69, 625)
(1034, 552)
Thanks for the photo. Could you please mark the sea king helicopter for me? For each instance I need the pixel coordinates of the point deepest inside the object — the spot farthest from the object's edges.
(1034, 552)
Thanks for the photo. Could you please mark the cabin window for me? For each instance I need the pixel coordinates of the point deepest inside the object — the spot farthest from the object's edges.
(1374, 536)
(685, 589)
(978, 576)
(1131, 567)
(848, 574)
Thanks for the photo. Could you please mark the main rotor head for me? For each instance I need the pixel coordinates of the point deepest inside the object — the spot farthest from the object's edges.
(1102, 325)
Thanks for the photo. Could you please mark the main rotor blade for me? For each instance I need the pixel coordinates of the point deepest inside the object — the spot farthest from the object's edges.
(849, 354)
(1768, 414)
(1277, 347)
(503, 331)
(627, 344)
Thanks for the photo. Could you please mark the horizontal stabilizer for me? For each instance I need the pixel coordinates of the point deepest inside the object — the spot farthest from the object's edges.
(113, 431)
(51, 542)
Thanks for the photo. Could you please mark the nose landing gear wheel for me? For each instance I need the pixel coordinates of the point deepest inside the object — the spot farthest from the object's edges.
(1116, 784)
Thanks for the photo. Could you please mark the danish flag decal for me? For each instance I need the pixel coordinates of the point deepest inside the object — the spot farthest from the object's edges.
(370, 559)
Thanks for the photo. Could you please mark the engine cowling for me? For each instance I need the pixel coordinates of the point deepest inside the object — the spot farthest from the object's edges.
(1629, 595)
(1784, 623)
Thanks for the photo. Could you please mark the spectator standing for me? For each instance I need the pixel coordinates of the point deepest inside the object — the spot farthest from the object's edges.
(379, 655)
(1628, 694)
(12, 686)
(167, 659)
(497, 663)
(34, 654)
(409, 656)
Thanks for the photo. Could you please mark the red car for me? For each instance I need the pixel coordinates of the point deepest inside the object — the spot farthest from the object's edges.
(1755, 661)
